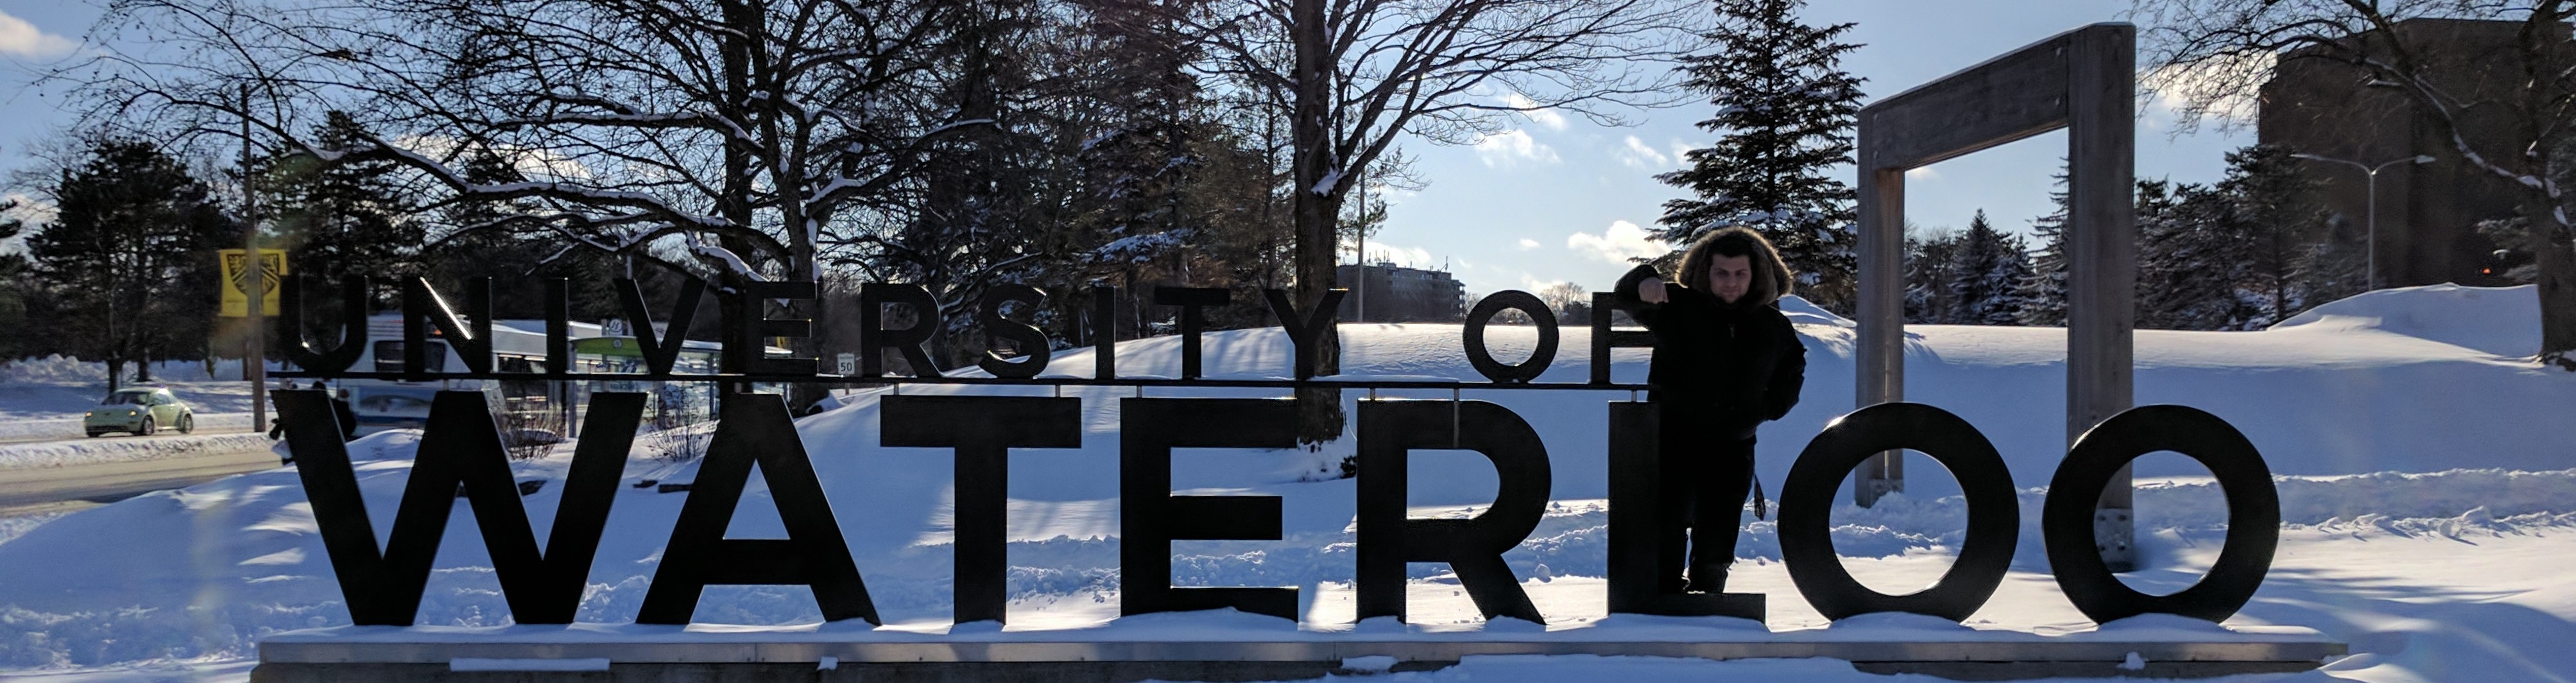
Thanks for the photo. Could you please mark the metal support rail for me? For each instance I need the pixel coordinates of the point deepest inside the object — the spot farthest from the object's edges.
(1138, 382)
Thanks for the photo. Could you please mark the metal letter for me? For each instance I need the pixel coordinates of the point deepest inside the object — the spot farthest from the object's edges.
(1389, 432)
(982, 429)
(756, 428)
(1035, 351)
(660, 350)
(757, 325)
(353, 327)
(558, 327)
(1193, 302)
(1634, 556)
(471, 339)
(2102, 454)
(1493, 305)
(913, 342)
(1150, 517)
(1104, 332)
(1307, 328)
(461, 445)
(1994, 513)
(1605, 338)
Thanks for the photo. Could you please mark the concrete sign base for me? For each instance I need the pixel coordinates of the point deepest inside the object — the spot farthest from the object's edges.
(591, 652)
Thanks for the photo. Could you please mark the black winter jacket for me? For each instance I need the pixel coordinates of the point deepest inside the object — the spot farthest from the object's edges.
(1738, 365)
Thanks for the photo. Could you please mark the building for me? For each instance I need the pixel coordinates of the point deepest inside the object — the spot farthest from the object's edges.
(1400, 295)
(2428, 213)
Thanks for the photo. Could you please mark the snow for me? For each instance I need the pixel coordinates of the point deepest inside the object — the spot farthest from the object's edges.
(44, 397)
(80, 451)
(2428, 490)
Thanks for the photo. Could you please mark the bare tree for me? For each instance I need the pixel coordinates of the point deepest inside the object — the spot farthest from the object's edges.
(1355, 77)
(2215, 54)
(727, 138)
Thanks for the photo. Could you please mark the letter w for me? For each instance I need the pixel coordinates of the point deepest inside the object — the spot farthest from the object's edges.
(460, 445)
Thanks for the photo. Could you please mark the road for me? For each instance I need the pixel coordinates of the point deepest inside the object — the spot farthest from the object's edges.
(39, 488)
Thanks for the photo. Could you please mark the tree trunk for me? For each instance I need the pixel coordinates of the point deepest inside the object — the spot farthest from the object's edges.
(2557, 285)
(1319, 410)
(115, 373)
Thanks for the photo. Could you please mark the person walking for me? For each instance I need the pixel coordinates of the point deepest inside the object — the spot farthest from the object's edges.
(1725, 361)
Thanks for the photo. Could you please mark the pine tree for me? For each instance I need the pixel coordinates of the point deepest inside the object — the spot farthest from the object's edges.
(2333, 265)
(2190, 258)
(2044, 292)
(2278, 221)
(130, 256)
(16, 339)
(1985, 282)
(1930, 259)
(344, 219)
(1785, 116)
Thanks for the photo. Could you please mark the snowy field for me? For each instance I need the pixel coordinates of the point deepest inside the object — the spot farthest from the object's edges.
(2428, 485)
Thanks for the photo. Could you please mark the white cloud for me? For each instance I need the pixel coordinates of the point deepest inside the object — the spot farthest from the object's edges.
(23, 39)
(1922, 173)
(534, 164)
(1550, 118)
(1681, 150)
(1640, 155)
(2223, 82)
(30, 209)
(32, 212)
(1531, 283)
(1509, 148)
(1621, 241)
(1528, 244)
(1408, 257)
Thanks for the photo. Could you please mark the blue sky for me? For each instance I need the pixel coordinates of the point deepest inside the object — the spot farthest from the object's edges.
(1557, 198)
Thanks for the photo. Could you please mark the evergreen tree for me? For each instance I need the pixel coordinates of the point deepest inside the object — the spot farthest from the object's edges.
(130, 257)
(2277, 223)
(2044, 292)
(1930, 260)
(500, 239)
(346, 218)
(2334, 264)
(2190, 258)
(1785, 116)
(1986, 281)
(16, 340)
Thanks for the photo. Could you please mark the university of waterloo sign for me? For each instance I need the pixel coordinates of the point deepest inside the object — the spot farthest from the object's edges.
(461, 446)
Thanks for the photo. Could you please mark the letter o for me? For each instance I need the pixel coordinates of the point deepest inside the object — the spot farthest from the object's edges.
(1493, 305)
(1994, 514)
(2253, 513)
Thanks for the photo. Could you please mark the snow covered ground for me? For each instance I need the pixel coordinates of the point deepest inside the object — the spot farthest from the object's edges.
(42, 398)
(2429, 488)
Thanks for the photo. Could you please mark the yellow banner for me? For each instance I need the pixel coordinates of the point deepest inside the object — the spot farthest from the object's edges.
(241, 274)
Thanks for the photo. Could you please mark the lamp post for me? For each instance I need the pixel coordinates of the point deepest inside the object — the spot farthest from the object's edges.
(2371, 270)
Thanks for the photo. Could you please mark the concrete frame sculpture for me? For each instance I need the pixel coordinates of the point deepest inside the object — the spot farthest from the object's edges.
(2084, 81)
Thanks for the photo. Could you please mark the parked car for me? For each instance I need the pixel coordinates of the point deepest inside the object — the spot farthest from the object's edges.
(139, 410)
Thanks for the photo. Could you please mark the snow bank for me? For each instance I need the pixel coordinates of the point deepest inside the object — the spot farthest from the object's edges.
(61, 369)
(2494, 320)
(126, 449)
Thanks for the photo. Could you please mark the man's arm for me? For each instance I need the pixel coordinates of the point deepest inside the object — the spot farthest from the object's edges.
(1790, 376)
(1633, 300)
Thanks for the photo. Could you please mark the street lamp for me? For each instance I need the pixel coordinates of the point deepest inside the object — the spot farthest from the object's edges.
(2373, 171)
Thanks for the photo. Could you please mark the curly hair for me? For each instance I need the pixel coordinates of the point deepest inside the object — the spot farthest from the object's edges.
(1771, 276)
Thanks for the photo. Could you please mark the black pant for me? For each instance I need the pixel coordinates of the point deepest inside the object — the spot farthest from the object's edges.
(1706, 475)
